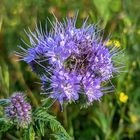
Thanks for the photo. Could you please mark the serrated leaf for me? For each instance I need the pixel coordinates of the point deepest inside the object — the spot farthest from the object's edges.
(40, 127)
(29, 133)
(60, 136)
(50, 121)
(4, 125)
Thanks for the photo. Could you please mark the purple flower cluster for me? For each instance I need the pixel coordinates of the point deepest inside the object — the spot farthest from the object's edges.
(19, 110)
(75, 61)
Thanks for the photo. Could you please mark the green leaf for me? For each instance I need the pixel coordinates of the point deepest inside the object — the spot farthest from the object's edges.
(106, 8)
(102, 122)
(102, 8)
(29, 133)
(6, 77)
(4, 102)
(41, 115)
(115, 5)
(40, 127)
(4, 125)
(59, 136)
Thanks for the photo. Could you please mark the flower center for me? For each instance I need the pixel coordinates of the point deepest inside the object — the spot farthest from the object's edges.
(77, 63)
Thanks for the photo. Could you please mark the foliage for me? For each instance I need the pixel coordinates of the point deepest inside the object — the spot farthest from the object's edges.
(41, 121)
(4, 125)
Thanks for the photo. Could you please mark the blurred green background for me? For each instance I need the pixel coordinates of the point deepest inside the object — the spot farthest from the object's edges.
(117, 116)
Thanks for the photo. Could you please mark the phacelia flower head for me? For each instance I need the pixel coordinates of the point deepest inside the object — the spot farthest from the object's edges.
(71, 61)
(19, 110)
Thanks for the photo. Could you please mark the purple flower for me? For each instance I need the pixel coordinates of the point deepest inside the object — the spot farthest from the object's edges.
(65, 85)
(19, 111)
(75, 61)
(92, 88)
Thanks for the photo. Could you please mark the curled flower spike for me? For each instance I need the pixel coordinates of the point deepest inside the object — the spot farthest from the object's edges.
(71, 61)
(19, 111)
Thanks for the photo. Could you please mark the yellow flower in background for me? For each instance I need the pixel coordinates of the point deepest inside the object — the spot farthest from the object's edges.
(109, 43)
(115, 43)
(133, 118)
(123, 97)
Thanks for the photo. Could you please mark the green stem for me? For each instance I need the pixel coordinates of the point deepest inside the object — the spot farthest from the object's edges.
(65, 116)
